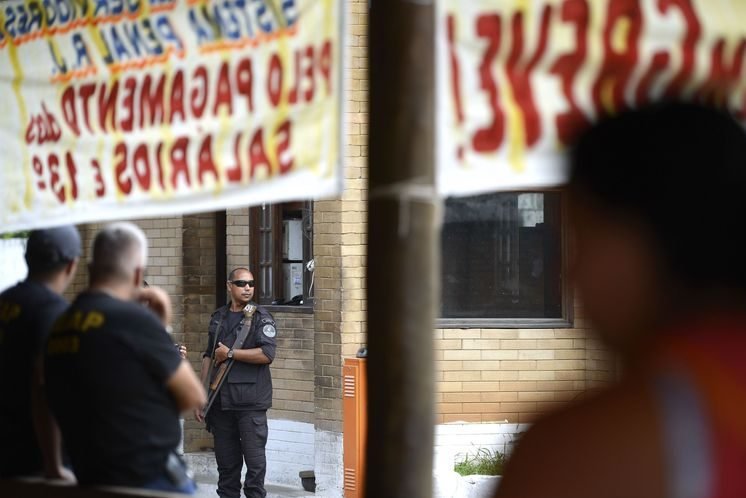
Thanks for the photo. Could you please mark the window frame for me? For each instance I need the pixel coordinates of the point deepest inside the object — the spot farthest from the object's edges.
(567, 298)
(275, 264)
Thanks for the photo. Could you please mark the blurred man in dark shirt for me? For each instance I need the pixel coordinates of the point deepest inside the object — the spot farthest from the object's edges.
(27, 311)
(116, 382)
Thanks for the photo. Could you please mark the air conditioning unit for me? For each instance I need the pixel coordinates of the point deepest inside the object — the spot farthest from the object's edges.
(292, 240)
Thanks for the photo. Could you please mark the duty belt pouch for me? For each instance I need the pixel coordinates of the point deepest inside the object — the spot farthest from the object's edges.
(176, 470)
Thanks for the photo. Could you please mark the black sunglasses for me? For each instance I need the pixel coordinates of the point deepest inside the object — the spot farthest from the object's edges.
(242, 283)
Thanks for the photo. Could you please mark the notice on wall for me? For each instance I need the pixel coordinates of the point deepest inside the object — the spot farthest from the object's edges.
(516, 79)
(131, 108)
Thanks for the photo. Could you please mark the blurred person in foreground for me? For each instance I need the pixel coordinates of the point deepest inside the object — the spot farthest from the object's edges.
(116, 382)
(658, 201)
(27, 311)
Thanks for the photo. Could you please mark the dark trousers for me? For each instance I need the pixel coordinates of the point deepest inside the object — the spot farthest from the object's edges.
(240, 435)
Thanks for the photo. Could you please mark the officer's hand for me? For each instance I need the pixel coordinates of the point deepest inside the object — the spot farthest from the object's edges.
(221, 352)
(198, 415)
(182, 351)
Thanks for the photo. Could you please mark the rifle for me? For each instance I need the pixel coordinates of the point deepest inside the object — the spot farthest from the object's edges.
(225, 367)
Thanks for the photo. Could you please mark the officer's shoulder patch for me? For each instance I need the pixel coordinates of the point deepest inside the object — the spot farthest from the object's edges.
(269, 330)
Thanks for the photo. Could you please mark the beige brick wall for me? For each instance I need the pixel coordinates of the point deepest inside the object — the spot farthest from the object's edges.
(515, 375)
(237, 238)
(497, 375)
(198, 256)
(164, 261)
(293, 368)
(327, 315)
(354, 205)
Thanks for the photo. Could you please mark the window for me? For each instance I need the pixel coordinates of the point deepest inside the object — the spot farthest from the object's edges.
(502, 259)
(281, 246)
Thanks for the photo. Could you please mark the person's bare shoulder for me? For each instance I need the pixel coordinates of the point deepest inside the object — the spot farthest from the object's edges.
(607, 445)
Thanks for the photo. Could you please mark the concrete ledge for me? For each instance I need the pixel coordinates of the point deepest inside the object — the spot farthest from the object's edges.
(453, 485)
(480, 486)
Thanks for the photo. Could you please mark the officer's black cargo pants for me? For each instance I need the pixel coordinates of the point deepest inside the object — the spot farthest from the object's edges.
(240, 435)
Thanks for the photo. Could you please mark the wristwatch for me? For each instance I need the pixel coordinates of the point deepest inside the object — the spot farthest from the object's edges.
(230, 354)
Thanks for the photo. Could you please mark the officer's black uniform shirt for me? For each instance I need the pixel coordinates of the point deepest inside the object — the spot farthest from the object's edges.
(107, 363)
(229, 333)
(248, 386)
(27, 311)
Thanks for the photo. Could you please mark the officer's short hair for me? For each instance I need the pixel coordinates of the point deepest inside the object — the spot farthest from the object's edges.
(236, 270)
(119, 248)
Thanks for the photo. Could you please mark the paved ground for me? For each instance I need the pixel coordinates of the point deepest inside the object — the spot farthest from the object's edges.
(205, 472)
(208, 491)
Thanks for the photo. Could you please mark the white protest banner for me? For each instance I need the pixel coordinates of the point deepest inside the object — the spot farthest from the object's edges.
(516, 79)
(129, 108)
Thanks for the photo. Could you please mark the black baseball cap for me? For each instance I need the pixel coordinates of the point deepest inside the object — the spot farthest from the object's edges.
(48, 248)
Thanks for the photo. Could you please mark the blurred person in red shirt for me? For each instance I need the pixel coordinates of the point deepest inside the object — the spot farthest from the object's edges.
(658, 205)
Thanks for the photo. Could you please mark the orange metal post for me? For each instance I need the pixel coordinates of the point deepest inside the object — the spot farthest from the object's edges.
(355, 420)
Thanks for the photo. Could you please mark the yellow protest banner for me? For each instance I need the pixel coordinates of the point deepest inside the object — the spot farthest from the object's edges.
(130, 108)
(518, 78)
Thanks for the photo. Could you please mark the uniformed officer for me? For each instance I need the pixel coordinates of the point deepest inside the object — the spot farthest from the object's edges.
(238, 417)
(27, 311)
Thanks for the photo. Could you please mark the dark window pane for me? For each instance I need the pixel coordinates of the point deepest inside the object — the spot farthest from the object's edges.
(502, 256)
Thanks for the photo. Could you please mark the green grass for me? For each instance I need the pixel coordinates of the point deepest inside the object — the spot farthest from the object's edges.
(485, 462)
(14, 235)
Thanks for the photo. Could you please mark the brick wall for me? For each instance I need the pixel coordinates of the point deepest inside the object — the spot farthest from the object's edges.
(293, 368)
(237, 238)
(164, 261)
(198, 261)
(497, 375)
(165, 264)
(327, 316)
(515, 375)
